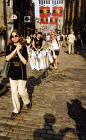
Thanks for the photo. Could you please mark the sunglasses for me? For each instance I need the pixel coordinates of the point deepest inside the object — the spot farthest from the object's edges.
(14, 36)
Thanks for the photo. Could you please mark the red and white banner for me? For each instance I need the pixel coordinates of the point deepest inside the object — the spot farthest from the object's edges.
(44, 20)
(57, 11)
(53, 20)
(44, 11)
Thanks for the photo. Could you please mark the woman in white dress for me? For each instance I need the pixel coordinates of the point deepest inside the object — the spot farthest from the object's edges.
(55, 50)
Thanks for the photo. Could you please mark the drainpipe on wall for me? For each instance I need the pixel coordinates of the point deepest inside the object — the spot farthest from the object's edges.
(5, 21)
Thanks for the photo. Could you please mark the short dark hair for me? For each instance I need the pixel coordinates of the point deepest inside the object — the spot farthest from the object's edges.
(39, 33)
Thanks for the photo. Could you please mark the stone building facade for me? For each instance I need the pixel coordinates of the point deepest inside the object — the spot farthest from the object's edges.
(75, 16)
(6, 12)
(6, 22)
(51, 15)
(25, 16)
(12, 16)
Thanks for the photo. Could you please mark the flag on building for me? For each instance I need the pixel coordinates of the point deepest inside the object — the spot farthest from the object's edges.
(44, 11)
(57, 11)
(53, 20)
(44, 20)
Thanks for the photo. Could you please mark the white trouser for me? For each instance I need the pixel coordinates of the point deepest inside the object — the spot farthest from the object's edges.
(18, 87)
(71, 48)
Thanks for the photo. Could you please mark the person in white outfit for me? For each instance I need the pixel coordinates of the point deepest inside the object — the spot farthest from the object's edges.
(16, 53)
(71, 40)
(55, 50)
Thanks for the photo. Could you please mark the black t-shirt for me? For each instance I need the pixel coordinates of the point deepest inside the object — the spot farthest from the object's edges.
(61, 38)
(17, 70)
(78, 42)
(38, 43)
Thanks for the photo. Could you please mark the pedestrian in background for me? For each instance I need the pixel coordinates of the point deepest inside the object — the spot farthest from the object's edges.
(61, 39)
(29, 40)
(38, 42)
(78, 44)
(55, 50)
(16, 53)
(71, 40)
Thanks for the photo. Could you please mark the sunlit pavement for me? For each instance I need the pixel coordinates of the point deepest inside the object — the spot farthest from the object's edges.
(58, 103)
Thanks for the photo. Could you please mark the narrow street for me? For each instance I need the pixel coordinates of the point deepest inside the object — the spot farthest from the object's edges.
(58, 103)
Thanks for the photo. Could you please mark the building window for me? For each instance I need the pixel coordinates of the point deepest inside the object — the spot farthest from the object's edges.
(57, 2)
(47, 1)
(42, 2)
(60, 1)
(53, 1)
(8, 2)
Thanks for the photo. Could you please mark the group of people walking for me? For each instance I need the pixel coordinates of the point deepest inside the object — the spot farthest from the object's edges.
(39, 57)
(17, 54)
(20, 50)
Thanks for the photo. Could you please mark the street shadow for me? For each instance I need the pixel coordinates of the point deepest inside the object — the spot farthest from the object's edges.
(83, 54)
(32, 82)
(48, 133)
(3, 87)
(4, 138)
(4, 81)
(78, 114)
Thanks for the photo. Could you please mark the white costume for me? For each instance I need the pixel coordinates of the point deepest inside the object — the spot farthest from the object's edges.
(39, 60)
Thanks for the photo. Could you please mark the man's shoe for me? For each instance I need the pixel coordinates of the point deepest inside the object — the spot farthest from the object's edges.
(29, 105)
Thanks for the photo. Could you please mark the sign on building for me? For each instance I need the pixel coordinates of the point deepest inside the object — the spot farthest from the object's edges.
(26, 19)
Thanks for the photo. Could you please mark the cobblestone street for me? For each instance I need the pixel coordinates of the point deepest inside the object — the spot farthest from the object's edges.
(58, 103)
